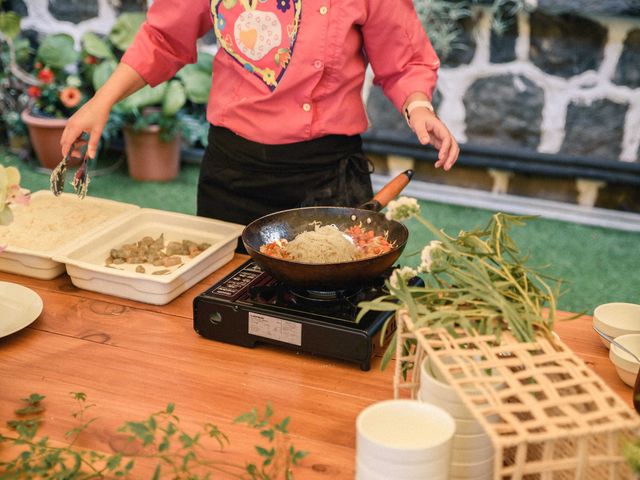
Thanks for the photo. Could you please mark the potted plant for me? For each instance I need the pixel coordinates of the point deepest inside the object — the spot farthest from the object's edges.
(55, 95)
(152, 118)
(152, 131)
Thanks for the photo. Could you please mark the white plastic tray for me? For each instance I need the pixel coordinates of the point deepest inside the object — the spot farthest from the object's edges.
(39, 263)
(85, 261)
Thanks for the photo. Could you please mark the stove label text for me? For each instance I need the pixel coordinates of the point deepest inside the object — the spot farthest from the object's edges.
(275, 328)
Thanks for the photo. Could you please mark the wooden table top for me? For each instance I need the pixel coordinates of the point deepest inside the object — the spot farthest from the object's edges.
(132, 359)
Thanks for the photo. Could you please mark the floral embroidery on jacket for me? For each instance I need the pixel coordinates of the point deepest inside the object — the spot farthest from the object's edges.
(259, 34)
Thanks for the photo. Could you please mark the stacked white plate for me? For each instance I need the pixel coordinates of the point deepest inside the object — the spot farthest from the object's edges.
(472, 454)
(403, 440)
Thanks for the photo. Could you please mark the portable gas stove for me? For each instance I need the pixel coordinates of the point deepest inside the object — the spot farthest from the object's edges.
(249, 306)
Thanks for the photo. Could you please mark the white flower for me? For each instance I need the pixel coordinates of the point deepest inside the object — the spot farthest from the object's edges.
(403, 273)
(402, 208)
(426, 256)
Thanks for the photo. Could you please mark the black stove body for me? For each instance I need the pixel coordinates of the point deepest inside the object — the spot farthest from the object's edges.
(249, 306)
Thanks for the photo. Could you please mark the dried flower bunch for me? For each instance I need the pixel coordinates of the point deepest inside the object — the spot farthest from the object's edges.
(477, 281)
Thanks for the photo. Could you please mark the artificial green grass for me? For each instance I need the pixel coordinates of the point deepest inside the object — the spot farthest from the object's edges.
(596, 265)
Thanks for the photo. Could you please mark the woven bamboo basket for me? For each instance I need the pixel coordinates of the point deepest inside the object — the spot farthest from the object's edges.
(548, 415)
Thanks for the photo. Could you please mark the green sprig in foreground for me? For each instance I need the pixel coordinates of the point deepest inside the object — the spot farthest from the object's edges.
(477, 281)
(159, 438)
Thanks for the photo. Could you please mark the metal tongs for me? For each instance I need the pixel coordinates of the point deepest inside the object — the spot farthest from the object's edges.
(81, 179)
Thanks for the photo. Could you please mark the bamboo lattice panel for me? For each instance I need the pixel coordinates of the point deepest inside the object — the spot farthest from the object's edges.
(549, 416)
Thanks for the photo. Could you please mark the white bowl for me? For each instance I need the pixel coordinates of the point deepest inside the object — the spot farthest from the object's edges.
(479, 441)
(399, 469)
(488, 476)
(626, 366)
(467, 470)
(429, 383)
(616, 319)
(466, 426)
(404, 431)
(455, 409)
(472, 456)
(365, 472)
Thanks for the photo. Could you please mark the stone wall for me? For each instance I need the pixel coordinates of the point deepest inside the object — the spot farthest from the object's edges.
(563, 78)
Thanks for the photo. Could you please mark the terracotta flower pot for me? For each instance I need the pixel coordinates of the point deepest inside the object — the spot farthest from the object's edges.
(45, 134)
(148, 157)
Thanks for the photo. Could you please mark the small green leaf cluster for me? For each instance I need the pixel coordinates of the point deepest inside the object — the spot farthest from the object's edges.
(176, 453)
(278, 458)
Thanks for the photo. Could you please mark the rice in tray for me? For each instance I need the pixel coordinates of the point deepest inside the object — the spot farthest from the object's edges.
(48, 223)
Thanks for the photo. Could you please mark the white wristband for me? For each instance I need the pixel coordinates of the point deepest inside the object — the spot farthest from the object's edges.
(416, 104)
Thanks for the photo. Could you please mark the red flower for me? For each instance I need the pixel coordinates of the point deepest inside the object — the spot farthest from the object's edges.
(90, 60)
(38, 65)
(46, 75)
(70, 97)
(34, 92)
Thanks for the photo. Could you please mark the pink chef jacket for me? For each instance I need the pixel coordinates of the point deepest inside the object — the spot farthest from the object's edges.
(290, 70)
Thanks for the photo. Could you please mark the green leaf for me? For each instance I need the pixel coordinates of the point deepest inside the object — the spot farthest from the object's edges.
(186, 440)
(153, 425)
(96, 46)
(114, 461)
(297, 456)
(144, 97)
(249, 417)
(170, 408)
(269, 433)
(164, 445)
(282, 426)
(80, 396)
(174, 98)
(30, 410)
(125, 29)
(10, 24)
(197, 83)
(263, 452)
(205, 62)
(102, 72)
(156, 473)
(57, 51)
(171, 429)
(268, 411)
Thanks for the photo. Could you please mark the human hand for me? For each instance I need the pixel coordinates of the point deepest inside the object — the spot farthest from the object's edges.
(430, 129)
(91, 119)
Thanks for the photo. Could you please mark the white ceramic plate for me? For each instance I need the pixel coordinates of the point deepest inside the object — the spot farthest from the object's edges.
(19, 307)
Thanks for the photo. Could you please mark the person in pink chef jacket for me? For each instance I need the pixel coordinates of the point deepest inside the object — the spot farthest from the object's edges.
(285, 108)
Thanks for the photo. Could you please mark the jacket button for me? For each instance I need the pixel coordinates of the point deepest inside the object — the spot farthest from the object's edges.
(317, 64)
(306, 107)
(323, 10)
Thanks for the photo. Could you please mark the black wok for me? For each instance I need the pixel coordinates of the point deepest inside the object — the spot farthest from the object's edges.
(329, 276)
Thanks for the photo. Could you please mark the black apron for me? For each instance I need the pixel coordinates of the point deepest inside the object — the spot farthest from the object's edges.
(241, 180)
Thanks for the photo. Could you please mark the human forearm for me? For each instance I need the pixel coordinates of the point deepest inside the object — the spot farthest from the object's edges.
(123, 82)
(92, 117)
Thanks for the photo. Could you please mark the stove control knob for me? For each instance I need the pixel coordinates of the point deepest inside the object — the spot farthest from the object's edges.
(215, 318)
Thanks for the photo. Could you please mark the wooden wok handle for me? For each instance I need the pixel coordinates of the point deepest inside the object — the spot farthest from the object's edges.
(390, 191)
